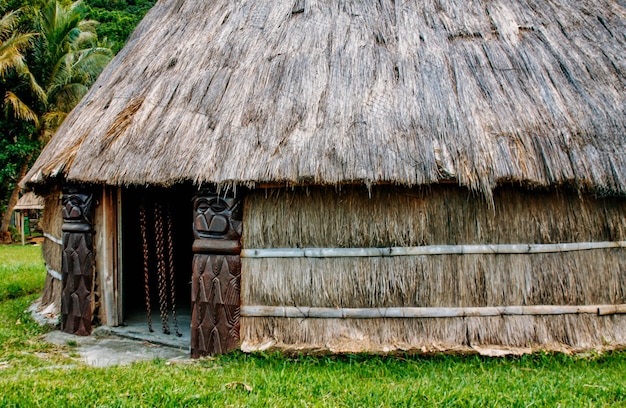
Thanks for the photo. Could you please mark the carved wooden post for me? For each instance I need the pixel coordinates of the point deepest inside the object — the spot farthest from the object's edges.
(215, 285)
(78, 262)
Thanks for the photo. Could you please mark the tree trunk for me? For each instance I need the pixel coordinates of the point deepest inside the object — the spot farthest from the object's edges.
(5, 236)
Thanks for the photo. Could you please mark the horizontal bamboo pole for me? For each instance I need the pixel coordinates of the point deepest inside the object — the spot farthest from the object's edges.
(451, 180)
(422, 312)
(427, 250)
(52, 238)
(56, 275)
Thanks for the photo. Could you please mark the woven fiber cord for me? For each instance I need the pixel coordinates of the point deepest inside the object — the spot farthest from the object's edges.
(146, 254)
(170, 259)
(163, 303)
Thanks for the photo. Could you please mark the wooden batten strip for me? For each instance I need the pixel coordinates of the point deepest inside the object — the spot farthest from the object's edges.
(56, 275)
(425, 312)
(53, 238)
(428, 250)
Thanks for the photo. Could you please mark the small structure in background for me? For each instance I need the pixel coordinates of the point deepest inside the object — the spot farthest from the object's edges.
(27, 209)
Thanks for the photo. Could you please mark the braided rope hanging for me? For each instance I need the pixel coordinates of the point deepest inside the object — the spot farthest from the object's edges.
(165, 265)
(146, 253)
(170, 258)
(161, 270)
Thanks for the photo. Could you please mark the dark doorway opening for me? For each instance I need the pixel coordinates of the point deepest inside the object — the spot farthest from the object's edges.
(155, 224)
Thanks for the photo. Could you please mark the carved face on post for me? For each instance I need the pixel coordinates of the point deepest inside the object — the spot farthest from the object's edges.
(217, 217)
(77, 207)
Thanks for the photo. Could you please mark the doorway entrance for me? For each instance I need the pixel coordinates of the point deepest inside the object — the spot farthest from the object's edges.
(156, 264)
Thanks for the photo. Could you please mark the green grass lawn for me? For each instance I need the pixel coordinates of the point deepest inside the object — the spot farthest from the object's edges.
(21, 271)
(36, 374)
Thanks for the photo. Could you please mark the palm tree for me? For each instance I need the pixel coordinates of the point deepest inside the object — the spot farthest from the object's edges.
(13, 44)
(66, 59)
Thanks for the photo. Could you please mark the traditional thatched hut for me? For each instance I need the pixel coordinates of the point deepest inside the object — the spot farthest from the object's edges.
(418, 175)
(29, 202)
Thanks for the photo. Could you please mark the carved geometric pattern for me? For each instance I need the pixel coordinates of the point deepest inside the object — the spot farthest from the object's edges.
(216, 275)
(215, 300)
(77, 264)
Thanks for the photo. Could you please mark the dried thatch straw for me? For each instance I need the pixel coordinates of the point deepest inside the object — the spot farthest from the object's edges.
(317, 217)
(328, 92)
(570, 332)
(580, 278)
(52, 250)
(29, 201)
(441, 215)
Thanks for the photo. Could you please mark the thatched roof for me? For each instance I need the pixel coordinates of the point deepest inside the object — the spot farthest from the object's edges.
(29, 201)
(329, 92)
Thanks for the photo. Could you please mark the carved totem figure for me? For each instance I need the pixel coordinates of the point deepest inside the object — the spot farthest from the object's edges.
(215, 284)
(78, 262)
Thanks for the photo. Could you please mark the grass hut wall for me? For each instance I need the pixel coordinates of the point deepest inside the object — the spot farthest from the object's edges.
(434, 175)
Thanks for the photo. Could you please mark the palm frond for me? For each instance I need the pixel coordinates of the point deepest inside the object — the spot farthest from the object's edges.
(67, 96)
(51, 122)
(12, 52)
(88, 26)
(92, 61)
(18, 40)
(86, 39)
(8, 22)
(61, 73)
(36, 88)
(11, 59)
(12, 45)
(19, 109)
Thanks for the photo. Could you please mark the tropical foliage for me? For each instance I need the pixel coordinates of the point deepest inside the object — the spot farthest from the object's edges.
(49, 60)
(18, 118)
(13, 45)
(117, 18)
(66, 60)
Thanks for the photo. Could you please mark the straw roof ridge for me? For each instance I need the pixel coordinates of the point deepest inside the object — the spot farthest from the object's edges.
(29, 201)
(318, 92)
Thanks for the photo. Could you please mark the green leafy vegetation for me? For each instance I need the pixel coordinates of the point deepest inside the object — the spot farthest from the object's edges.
(51, 52)
(36, 374)
(49, 57)
(117, 18)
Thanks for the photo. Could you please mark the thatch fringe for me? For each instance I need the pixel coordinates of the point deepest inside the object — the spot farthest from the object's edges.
(482, 92)
(439, 215)
(458, 334)
(576, 278)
